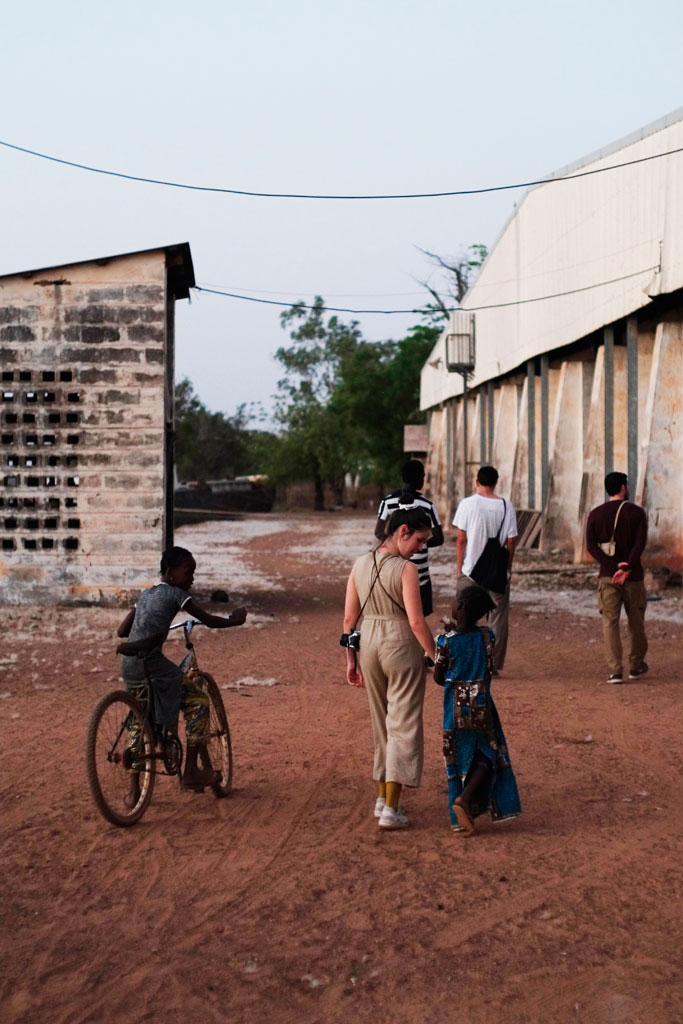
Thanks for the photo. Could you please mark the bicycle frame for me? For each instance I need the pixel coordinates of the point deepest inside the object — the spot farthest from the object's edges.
(189, 662)
(171, 752)
(125, 744)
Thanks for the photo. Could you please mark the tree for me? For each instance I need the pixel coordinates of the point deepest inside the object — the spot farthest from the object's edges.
(344, 401)
(461, 272)
(318, 436)
(380, 389)
(211, 445)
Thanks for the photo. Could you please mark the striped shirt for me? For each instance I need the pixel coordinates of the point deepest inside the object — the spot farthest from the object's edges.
(390, 504)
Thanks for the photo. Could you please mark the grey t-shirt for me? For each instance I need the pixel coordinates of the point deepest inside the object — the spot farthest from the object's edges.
(155, 610)
(154, 613)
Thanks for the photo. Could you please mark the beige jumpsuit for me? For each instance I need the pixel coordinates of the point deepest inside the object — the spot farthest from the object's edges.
(393, 667)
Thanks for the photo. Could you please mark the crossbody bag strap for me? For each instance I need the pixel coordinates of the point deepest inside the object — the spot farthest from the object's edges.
(372, 587)
(395, 603)
(616, 520)
(505, 509)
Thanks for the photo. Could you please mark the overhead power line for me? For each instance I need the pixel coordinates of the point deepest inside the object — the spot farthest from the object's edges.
(559, 295)
(303, 305)
(450, 309)
(330, 295)
(303, 195)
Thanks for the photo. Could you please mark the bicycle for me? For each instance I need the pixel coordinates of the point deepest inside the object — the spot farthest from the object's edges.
(123, 738)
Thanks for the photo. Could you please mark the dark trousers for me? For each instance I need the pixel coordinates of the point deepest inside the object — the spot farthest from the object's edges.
(426, 598)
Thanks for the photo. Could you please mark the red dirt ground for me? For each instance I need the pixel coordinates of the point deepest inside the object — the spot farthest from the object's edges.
(284, 903)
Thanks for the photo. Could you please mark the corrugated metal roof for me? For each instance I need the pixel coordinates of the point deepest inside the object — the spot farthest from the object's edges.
(576, 254)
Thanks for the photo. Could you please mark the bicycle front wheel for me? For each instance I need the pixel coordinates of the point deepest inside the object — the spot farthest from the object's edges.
(217, 752)
(120, 758)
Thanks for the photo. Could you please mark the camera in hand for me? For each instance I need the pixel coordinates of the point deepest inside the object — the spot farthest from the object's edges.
(351, 640)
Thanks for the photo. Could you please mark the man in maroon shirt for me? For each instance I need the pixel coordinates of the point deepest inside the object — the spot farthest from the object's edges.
(616, 534)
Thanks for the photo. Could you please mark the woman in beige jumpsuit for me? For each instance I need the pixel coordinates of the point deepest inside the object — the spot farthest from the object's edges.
(383, 585)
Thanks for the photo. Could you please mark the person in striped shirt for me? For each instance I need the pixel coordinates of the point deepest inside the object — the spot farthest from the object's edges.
(410, 496)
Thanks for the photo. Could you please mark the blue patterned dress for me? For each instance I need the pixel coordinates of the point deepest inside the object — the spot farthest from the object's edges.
(471, 726)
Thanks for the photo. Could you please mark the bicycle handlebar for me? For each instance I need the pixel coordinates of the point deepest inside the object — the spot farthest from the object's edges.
(188, 625)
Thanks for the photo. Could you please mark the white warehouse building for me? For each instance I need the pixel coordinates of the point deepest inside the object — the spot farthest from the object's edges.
(577, 318)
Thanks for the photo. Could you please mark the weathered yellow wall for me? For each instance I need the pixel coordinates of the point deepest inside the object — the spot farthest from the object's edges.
(82, 501)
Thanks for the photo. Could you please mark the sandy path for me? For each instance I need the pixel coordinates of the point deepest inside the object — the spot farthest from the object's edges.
(284, 902)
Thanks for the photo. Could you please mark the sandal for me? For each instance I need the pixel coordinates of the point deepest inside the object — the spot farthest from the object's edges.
(464, 821)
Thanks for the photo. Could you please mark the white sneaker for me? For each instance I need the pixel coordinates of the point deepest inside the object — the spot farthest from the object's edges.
(390, 818)
(380, 803)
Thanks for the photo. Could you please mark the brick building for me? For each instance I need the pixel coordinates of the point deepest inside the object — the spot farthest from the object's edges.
(86, 425)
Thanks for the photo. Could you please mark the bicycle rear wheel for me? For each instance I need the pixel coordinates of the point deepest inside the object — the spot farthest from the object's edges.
(217, 753)
(120, 749)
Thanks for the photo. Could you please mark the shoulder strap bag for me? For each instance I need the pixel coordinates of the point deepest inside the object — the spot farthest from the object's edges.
(352, 639)
(375, 579)
(608, 547)
(491, 569)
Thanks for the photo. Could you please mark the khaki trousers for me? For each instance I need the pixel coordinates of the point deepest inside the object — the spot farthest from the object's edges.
(392, 663)
(498, 619)
(611, 597)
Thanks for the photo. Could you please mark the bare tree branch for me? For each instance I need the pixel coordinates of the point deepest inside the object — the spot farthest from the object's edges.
(435, 295)
(460, 269)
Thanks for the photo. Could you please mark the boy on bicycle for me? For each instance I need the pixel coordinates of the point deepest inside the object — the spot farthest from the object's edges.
(146, 625)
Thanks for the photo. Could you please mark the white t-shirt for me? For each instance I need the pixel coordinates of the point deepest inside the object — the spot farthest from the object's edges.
(482, 518)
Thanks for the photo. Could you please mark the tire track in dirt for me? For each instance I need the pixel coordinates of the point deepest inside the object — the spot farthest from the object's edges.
(286, 902)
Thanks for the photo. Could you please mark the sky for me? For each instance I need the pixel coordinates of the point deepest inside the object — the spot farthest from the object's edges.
(314, 97)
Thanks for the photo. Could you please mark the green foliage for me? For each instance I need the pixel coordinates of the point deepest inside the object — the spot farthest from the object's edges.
(211, 445)
(344, 401)
(478, 254)
(314, 443)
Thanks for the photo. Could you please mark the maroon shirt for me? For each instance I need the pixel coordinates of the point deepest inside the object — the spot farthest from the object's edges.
(630, 537)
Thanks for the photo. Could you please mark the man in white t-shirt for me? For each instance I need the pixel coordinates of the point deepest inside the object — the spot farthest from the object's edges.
(478, 518)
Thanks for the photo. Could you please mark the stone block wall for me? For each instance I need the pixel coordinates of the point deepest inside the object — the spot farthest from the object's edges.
(86, 358)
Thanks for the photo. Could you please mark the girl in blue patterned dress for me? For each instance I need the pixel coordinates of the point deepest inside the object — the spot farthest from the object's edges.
(480, 776)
